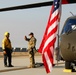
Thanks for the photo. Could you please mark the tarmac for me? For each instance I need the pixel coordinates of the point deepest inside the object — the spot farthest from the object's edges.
(20, 67)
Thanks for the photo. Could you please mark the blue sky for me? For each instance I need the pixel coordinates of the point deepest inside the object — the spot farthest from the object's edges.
(21, 22)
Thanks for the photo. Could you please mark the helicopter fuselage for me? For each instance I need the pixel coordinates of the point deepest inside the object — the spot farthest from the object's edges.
(68, 40)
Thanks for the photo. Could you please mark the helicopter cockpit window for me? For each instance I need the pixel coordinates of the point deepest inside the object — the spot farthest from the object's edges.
(70, 25)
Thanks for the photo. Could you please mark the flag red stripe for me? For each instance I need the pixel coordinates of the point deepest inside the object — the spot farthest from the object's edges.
(51, 33)
(50, 56)
(50, 44)
(53, 20)
(45, 64)
(48, 41)
(50, 59)
(51, 39)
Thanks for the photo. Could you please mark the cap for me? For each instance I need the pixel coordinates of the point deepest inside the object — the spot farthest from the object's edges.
(31, 33)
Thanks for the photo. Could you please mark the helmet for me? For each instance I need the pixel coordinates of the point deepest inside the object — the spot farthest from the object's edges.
(6, 33)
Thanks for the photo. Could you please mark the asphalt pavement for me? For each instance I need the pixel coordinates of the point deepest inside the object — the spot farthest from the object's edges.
(20, 67)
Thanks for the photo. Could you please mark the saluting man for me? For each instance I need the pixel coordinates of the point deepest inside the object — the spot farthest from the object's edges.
(31, 49)
(7, 50)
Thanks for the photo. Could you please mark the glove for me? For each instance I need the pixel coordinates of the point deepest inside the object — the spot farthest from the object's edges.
(4, 52)
(25, 37)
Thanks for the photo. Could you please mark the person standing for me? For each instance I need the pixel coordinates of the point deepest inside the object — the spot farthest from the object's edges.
(7, 50)
(31, 49)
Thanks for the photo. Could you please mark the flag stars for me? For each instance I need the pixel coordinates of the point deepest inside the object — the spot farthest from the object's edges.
(56, 4)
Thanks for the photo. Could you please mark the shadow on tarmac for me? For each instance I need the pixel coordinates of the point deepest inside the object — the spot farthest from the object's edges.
(21, 67)
(59, 66)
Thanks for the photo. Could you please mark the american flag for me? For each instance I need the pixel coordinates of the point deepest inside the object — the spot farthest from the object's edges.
(49, 38)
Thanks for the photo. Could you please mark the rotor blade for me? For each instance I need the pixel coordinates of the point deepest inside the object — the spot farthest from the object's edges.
(35, 5)
(27, 6)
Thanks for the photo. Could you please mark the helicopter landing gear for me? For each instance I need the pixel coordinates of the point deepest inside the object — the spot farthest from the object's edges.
(69, 67)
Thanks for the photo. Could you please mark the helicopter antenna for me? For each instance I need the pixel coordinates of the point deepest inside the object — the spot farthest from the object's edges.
(72, 13)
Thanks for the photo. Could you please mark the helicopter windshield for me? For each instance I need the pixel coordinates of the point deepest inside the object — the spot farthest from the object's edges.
(70, 25)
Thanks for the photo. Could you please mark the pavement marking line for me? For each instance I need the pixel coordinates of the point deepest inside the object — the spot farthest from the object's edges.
(13, 69)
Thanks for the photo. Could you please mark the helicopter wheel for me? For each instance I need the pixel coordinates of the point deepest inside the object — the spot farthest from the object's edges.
(68, 65)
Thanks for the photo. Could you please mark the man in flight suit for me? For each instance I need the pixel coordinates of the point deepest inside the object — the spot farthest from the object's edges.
(7, 50)
(31, 49)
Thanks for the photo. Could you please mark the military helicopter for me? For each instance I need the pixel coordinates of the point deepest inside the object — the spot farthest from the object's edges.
(68, 43)
(68, 34)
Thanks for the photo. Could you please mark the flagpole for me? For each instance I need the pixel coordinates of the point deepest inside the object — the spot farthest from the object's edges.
(58, 58)
(59, 22)
(58, 45)
(58, 37)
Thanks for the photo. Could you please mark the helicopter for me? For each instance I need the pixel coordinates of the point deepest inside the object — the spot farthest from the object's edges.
(68, 34)
(68, 43)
